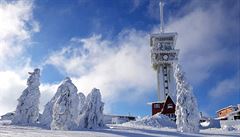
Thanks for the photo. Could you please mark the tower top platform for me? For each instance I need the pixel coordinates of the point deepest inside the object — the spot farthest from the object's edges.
(163, 37)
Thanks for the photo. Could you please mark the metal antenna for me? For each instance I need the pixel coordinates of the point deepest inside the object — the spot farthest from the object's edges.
(161, 4)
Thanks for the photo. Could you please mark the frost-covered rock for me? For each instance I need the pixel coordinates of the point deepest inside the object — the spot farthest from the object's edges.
(27, 110)
(187, 113)
(82, 99)
(155, 121)
(65, 109)
(46, 118)
(91, 115)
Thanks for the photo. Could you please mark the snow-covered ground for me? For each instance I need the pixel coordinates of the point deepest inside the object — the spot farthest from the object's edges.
(113, 131)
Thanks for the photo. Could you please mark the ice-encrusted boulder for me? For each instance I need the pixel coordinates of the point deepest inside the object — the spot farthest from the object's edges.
(187, 113)
(82, 99)
(91, 116)
(65, 109)
(27, 110)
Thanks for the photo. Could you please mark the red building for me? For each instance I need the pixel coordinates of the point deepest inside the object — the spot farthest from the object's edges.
(166, 108)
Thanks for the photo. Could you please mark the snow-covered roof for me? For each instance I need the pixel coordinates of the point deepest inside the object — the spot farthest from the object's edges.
(223, 117)
(162, 102)
(234, 112)
(230, 114)
(231, 106)
(150, 103)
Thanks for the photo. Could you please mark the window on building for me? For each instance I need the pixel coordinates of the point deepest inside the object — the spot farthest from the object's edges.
(170, 106)
(156, 105)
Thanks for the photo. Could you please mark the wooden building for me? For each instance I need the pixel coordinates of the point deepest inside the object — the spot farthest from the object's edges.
(167, 108)
(224, 113)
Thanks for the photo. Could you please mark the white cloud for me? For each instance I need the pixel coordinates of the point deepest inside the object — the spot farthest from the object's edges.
(47, 92)
(114, 67)
(226, 87)
(121, 68)
(200, 34)
(16, 28)
(12, 86)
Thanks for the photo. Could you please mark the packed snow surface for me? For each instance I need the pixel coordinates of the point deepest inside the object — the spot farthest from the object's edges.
(155, 121)
(7, 130)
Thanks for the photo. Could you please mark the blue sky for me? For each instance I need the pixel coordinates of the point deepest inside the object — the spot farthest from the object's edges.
(105, 44)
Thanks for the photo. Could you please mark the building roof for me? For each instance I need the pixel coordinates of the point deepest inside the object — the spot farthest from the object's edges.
(231, 106)
(162, 102)
(150, 103)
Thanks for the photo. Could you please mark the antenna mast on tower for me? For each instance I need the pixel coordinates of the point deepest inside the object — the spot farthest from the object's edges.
(161, 4)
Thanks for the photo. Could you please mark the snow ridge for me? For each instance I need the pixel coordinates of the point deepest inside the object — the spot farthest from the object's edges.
(156, 121)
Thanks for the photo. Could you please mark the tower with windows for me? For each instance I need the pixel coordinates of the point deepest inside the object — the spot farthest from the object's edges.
(163, 57)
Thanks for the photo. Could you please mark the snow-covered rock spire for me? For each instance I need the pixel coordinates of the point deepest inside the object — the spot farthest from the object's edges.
(27, 110)
(65, 107)
(92, 113)
(82, 99)
(187, 114)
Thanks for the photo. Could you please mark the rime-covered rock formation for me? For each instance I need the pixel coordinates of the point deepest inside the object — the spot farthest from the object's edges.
(27, 110)
(65, 109)
(91, 115)
(46, 118)
(186, 105)
(82, 99)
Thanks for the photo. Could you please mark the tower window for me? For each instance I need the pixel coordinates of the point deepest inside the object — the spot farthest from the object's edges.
(165, 78)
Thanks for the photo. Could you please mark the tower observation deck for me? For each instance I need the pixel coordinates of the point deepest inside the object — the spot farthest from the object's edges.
(163, 56)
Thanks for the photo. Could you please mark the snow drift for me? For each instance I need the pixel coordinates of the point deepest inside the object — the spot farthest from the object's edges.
(8, 116)
(27, 110)
(155, 121)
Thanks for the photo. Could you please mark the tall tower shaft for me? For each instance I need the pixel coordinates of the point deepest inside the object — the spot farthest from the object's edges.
(163, 56)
